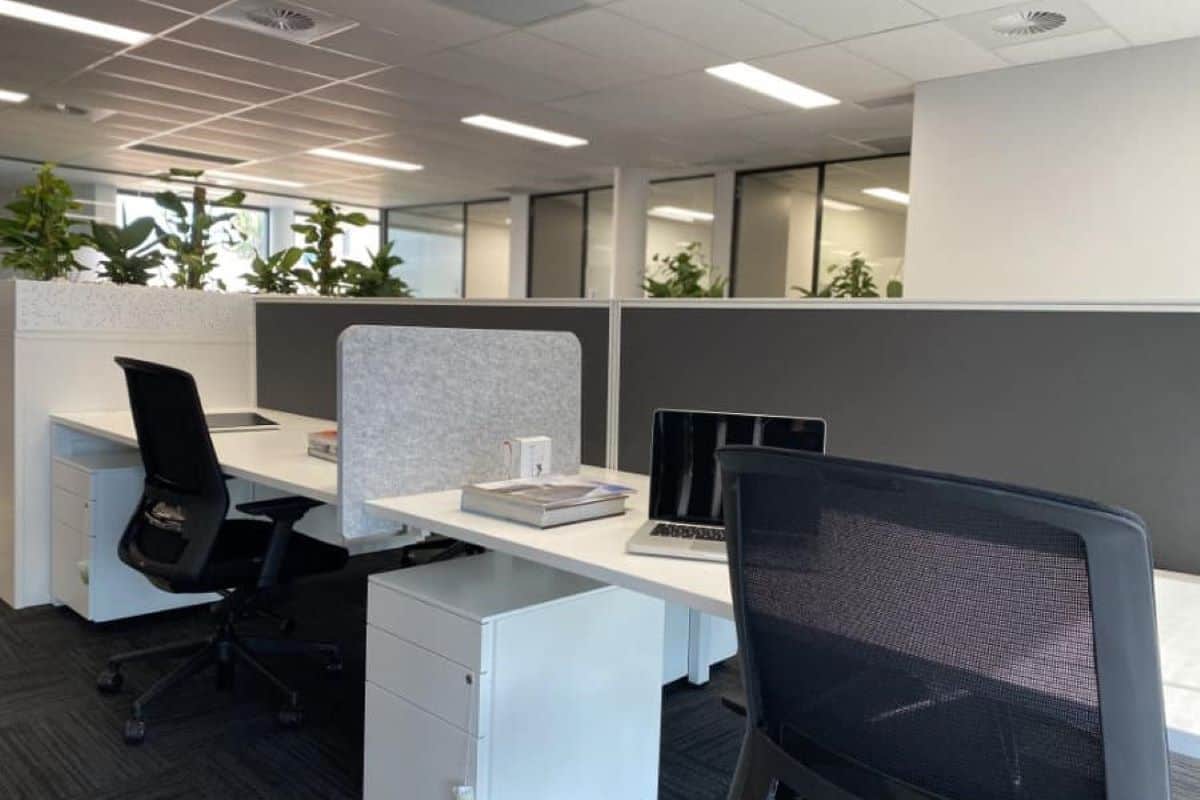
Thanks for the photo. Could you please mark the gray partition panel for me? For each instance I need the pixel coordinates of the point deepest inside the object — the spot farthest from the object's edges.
(297, 349)
(1102, 404)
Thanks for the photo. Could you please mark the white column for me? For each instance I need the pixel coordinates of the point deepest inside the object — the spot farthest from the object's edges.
(518, 245)
(724, 189)
(631, 190)
(279, 227)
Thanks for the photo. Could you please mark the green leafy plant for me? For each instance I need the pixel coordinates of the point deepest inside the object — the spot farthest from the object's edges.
(38, 239)
(855, 279)
(324, 225)
(130, 253)
(375, 279)
(187, 236)
(682, 275)
(275, 273)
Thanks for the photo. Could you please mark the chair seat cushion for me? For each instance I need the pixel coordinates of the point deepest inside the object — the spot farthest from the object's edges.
(241, 546)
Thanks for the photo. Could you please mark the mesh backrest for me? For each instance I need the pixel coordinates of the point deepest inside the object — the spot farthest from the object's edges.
(185, 499)
(917, 628)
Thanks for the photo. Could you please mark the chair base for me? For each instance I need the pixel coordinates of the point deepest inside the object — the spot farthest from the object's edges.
(225, 650)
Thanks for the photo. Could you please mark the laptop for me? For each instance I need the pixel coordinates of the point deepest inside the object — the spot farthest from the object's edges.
(685, 478)
(239, 421)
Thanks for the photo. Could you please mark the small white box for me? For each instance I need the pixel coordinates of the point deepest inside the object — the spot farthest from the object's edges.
(528, 456)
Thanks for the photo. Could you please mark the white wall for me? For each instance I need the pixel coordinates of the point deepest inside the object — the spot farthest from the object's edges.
(1069, 180)
(487, 259)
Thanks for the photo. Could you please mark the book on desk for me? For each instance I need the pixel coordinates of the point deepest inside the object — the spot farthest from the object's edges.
(546, 502)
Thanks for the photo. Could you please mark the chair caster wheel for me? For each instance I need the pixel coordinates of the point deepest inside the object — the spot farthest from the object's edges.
(135, 731)
(290, 717)
(110, 681)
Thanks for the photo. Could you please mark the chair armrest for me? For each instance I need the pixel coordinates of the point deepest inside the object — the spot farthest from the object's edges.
(280, 509)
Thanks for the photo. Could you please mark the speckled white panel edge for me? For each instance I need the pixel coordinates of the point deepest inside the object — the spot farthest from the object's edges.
(426, 409)
(60, 306)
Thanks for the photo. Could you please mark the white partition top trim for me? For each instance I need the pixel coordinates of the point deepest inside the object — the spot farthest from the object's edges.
(423, 409)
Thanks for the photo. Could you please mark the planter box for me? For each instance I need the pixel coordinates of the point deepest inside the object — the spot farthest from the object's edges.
(57, 343)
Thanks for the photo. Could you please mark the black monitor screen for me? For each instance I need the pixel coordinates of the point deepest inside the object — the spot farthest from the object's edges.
(685, 479)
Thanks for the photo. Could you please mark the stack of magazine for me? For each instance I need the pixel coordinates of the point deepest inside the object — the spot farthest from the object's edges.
(546, 502)
(323, 444)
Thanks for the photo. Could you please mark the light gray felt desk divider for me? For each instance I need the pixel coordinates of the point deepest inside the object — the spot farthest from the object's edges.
(425, 409)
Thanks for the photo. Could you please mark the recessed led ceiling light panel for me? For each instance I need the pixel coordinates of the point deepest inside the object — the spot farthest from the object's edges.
(763, 82)
(891, 195)
(524, 131)
(370, 161)
(234, 176)
(71, 22)
(12, 97)
(838, 205)
(680, 214)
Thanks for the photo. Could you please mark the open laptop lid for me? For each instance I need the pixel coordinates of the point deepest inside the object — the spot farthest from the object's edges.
(685, 479)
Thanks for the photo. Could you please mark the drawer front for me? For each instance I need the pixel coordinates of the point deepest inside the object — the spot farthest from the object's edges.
(411, 755)
(72, 510)
(70, 550)
(460, 640)
(437, 685)
(75, 480)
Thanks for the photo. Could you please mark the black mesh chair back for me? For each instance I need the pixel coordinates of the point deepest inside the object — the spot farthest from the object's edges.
(913, 635)
(172, 532)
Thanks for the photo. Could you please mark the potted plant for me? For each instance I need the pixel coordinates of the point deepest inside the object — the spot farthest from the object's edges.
(323, 226)
(274, 274)
(187, 234)
(38, 239)
(855, 279)
(682, 275)
(130, 254)
(376, 278)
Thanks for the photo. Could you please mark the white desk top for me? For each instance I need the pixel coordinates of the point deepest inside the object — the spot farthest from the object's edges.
(594, 549)
(277, 458)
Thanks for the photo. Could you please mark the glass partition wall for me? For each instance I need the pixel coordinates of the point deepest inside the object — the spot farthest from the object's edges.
(679, 216)
(797, 228)
(453, 249)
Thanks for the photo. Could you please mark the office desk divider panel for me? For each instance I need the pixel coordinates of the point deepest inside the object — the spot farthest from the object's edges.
(424, 409)
(297, 346)
(1100, 402)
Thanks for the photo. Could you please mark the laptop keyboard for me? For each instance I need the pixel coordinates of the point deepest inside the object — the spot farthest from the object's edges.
(675, 531)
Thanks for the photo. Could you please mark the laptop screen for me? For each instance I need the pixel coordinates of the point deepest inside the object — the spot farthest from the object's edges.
(684, 475)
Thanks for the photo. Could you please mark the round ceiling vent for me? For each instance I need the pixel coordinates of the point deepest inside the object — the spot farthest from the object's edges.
(281, 18)
(1028, 23)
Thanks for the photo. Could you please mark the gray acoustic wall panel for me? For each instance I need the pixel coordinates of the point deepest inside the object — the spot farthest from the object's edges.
(426, 409)
(297, 349)
(1102, 404)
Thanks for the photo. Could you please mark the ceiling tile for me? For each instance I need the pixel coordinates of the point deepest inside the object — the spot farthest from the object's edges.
(140, 90)
(300, 122)
(377, 45)
(129, 13)
(437, 24)
(288, 137)
(517, 13)
(193, 6)
(620, 39)
(316, 108)
(349, 94)
(1081, 44)
(34, 55)
(1148, 21)
(463, 68)
(978, 27)
(428, 90)
(223, 65)
(952, 8)
(190, 80)
(925, 52)
(683, 99)
(589, 72)
(99, 101)
(835, 71)
(261, 47)
(208, 143)
(846, 18)
(733, 29)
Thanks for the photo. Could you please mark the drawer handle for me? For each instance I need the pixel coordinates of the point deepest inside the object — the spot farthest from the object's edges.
(84, 571)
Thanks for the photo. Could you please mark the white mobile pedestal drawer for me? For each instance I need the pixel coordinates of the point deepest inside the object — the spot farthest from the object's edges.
(520, 681)
(93, 498)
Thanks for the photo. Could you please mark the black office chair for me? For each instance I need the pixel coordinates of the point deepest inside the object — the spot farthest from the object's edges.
(914, 636)
(181, 541)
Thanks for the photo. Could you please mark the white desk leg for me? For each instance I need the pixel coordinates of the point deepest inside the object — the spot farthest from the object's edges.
(699, 639)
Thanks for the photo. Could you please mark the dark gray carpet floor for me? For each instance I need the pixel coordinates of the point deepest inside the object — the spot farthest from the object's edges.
(60, 739)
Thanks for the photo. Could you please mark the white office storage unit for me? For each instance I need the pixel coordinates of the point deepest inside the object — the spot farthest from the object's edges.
(515, 679)
(93, 497)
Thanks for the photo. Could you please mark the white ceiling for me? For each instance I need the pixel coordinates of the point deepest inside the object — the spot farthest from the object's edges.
(625, 74)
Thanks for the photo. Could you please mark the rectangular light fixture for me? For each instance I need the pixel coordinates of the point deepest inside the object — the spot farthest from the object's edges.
(838, 205)
(524, 131)
(763, 82)
(360, 158)
(234, 176)
(680, 214)
(891, 195)
(71, 22)
(12, 97)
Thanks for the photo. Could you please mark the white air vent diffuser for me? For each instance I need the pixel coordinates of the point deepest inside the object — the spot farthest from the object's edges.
(1028, 23)
(290, 21)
